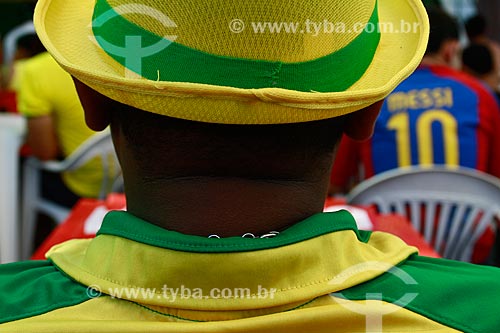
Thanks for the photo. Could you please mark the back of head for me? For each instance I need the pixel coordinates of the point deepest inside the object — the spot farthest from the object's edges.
(475, 26)
(188, 148)
(443, 28)
(30, 45)
(478, 59)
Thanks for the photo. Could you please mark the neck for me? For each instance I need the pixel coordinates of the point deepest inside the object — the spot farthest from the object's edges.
(482, 39)
(225, 206)
(433, 60)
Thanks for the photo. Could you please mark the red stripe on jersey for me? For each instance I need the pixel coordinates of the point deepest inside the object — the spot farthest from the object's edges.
(489, 118)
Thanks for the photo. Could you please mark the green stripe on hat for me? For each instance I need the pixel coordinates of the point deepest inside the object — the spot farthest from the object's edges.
(160, 59)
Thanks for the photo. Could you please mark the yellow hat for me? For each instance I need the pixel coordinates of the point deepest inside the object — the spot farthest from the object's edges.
(237, 61)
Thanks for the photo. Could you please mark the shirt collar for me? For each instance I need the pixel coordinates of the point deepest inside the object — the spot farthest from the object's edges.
(320, 255)
(123, 224)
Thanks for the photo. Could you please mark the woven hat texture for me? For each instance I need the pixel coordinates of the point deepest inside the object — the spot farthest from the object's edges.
(237, 62)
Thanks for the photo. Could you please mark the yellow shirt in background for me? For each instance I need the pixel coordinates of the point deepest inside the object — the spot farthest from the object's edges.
(46, 89)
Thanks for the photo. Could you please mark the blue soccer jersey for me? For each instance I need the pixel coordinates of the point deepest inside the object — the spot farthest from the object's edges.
(436, 116)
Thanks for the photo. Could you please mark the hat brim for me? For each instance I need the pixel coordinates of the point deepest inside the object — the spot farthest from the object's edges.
(64, 26)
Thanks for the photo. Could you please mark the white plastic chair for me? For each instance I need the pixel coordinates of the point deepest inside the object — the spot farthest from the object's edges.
(10, 45)
(100, 146)
(451, 207)
(12, 130)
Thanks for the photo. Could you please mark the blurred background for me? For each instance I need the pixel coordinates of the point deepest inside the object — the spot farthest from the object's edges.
(13, 13)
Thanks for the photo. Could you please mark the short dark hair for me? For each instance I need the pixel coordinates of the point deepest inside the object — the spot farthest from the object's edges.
(476, 26)
(443, 28)
(286, 151)
(478, 58)
(31, 44)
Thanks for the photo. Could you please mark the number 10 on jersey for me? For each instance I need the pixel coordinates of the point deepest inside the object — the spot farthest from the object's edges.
(400, 123)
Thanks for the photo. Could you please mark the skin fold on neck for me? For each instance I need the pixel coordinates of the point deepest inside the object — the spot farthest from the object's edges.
(225, 206)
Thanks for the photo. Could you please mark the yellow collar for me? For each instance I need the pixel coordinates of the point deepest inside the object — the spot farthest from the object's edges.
(153, 266)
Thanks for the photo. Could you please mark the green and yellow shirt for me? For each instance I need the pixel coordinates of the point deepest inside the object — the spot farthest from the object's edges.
(320, 275)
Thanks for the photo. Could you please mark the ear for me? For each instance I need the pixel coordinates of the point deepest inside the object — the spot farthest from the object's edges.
(96, 106)
(360, 124)
(450, 50)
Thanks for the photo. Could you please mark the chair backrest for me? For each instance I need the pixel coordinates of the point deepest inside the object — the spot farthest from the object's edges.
(451, 207)
(100, 145)
(10, 41)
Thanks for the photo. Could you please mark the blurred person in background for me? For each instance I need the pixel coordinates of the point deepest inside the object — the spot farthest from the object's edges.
(56, 127)
(27, 47)
(478, 61)
(476, 28)
(17, 44)
(436, 116)
(46, 96)
(20, 43)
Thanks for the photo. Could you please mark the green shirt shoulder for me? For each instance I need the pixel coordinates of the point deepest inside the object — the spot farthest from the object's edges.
(460, 295)
(32, 288)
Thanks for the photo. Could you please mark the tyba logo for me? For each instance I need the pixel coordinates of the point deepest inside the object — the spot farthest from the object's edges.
(373, 300)
(135, 49)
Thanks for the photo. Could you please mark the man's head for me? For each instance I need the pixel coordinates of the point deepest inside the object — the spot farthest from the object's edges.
(444, 37)
(188, 148)
(476, 26)
(29, 46)
(253, 89)
(477, 60)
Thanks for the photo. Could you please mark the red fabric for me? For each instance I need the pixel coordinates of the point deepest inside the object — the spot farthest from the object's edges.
(483, 247)
(489, 118)
(401, 227)
(8, 101)
(393, 224)
(73, 227)
(351, 156)
(345, 170)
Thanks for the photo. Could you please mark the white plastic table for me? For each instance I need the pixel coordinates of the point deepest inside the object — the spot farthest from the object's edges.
(12, 130)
